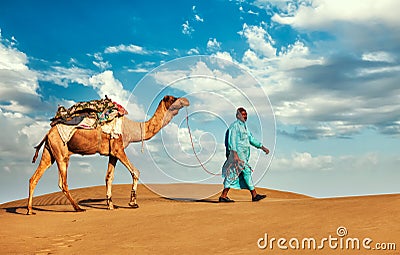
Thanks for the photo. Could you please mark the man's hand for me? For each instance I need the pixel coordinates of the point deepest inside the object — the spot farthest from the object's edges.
(265, 149)
(236, 158)
(237, 164)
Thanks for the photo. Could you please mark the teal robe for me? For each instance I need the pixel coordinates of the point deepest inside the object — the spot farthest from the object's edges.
(239, 139)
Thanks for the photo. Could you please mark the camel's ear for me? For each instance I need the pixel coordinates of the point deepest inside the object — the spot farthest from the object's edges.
(166, 98)
(169, 100)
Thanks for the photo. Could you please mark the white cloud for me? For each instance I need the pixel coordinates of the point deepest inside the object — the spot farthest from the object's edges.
(252, 12)
(187, 29)
(301, 161)
(297, 55)
(259, 40)
(63, 75)
(138, 70)
(198, 18)
(204, 82)
(376, 70)
(224, 55)
(12, 59)
(35, 131)
(324, 13)
(305, 161)
(296, 81)
(193, 51)
(85, 167)
(103, 83)
(106, 84)
(378, 56)
(15, 106)
(274, 71)
(15, 137)
(18, 83)
(213, 45)
(126, 48)
(102, 65)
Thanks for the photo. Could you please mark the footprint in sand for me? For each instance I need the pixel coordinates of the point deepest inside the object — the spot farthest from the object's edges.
(60, 242)
(43, 252)
(66, 241)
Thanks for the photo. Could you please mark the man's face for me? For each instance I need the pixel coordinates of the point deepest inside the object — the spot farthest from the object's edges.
(244, 114)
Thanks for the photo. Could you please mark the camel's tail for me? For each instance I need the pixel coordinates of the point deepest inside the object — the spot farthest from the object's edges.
(37, 147)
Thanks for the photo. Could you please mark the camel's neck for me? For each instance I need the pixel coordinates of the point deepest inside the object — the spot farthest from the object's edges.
(159, 120)
(138, 131)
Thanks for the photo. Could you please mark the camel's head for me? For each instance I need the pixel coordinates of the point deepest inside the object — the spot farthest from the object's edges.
(174, 104)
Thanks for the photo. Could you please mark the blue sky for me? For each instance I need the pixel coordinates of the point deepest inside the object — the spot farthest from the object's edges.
(330, 69)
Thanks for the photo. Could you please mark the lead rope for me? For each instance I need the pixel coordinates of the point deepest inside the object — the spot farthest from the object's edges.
(194, 151)
(141, 137)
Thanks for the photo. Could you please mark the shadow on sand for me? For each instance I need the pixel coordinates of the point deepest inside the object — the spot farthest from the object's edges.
(192, 200)
(15, 210)
(95, 203)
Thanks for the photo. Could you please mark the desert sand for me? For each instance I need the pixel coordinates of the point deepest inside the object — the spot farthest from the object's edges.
(166, 226)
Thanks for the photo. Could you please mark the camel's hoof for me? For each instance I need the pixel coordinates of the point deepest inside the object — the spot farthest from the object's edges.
(80, 210)
(134, 206)
(30, 213)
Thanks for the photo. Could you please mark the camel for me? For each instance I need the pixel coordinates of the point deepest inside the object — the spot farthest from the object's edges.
(92, 141)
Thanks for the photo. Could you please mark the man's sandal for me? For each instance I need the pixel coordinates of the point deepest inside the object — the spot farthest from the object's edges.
(258, 197)
(225, 200)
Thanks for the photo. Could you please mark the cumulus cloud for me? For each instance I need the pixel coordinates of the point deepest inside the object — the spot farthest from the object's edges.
(103, 83)
(213, 45)
(259, 40)
(329, 93)
(356, 25)
(63, 76)
(317, 14)
(106, 84)
(100, 63)
(301, 161)
(305, 161)
(211, 85)
(18, 83)
(19, 134)
(224, 55)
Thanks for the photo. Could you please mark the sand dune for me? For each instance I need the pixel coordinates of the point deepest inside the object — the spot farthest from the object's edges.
(165, 226)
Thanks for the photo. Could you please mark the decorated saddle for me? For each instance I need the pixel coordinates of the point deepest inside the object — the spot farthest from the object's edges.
(103, 110)
(89, 115)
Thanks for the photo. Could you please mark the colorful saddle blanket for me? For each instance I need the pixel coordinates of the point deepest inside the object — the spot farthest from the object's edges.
(103, 110)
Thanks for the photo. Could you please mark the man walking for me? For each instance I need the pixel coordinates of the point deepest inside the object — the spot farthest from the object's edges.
(236, 170)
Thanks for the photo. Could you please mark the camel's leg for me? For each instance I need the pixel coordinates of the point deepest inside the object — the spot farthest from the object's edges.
(112, 161)
(45, 162)
(135, 176)
(62, 169)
